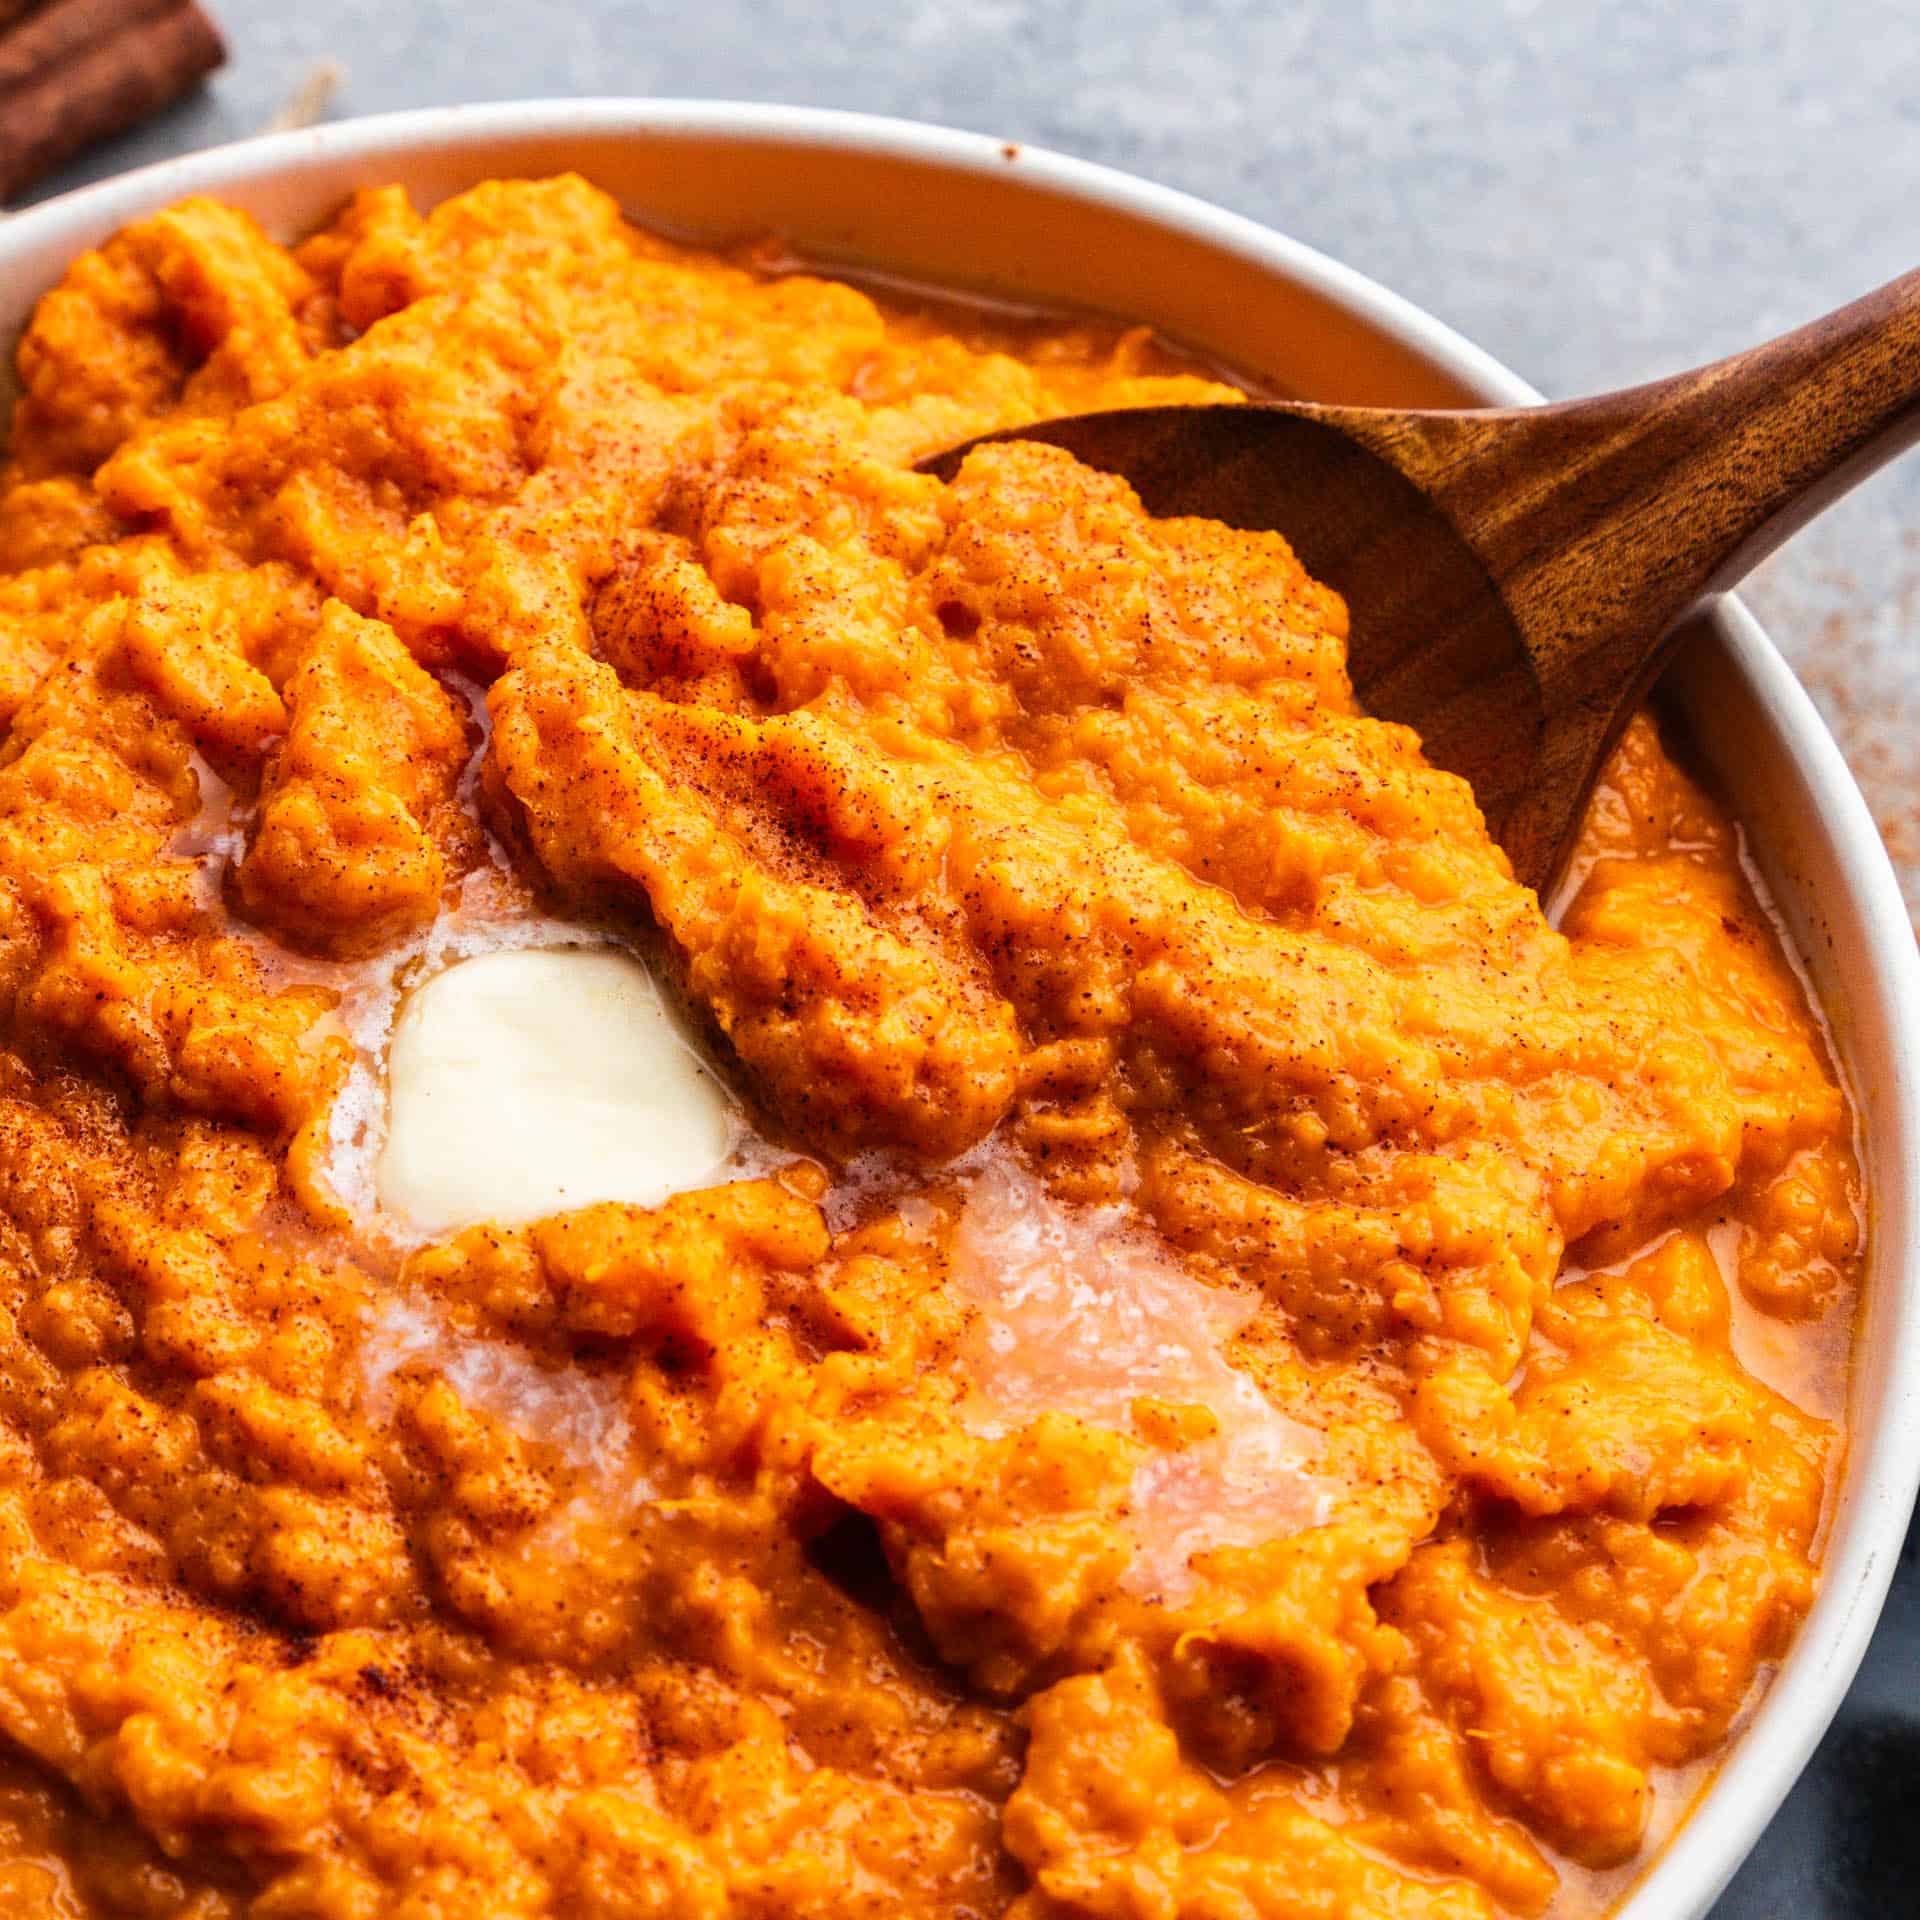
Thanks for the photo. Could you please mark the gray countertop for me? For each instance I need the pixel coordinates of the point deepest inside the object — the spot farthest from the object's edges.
(1596, 194)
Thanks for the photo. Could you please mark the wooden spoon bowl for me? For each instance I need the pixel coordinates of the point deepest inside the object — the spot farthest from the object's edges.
(1515, 576)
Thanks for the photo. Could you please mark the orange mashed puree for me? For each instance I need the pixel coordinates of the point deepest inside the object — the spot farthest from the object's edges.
(1448, 1313)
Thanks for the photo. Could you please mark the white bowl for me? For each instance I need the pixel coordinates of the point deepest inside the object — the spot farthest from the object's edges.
(962, 208)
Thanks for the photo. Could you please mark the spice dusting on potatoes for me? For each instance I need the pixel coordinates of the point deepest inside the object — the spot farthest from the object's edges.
(1412, 1518)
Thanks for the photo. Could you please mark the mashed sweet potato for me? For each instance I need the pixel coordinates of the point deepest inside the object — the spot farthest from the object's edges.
(1256, 1379)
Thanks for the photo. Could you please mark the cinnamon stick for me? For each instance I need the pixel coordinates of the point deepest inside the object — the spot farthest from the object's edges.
(76, 71)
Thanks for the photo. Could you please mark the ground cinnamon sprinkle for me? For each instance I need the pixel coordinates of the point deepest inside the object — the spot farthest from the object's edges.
(1244, 1373)
(1842, 634)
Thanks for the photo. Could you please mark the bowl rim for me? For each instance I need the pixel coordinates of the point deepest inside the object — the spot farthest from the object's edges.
(1771, 1745)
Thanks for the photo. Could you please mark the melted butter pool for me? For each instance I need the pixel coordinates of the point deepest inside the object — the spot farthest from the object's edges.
(533, 1082)
(1082, 1311)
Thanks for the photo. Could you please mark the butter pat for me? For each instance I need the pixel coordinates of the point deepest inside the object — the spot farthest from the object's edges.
(526, 1083)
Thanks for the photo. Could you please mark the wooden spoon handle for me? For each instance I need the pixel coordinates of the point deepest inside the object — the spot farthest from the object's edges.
(1515, 575)
(1602, 522)
(1605, 520)
(1790, 426)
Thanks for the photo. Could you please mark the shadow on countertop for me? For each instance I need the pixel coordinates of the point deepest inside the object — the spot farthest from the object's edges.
(1846, 1846)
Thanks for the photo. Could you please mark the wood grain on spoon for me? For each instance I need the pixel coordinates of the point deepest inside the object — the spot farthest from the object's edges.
(1516, 576)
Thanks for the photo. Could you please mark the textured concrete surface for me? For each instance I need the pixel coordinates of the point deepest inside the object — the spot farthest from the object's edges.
(1596, 193)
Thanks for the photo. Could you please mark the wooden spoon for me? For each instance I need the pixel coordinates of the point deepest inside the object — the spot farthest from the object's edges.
(1515, 575)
